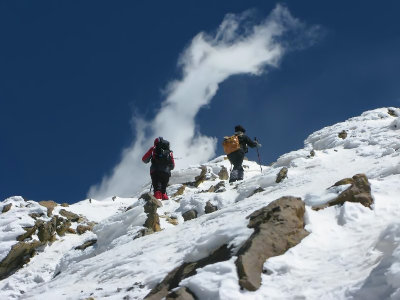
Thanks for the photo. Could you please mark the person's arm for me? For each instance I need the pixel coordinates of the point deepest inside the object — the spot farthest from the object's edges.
(250, 142)
(172, 161)
(147, 157)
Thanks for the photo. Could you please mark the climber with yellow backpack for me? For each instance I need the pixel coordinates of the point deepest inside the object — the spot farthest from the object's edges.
(235, 147)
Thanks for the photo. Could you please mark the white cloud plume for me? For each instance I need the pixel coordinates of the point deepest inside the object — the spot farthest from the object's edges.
(236, 48)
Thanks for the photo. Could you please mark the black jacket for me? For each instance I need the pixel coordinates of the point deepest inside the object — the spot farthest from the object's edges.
(245, 141)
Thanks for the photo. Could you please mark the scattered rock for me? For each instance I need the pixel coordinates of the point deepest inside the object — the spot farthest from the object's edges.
(277, 227)
(181, 294)
(209, 208)
(19, 255)
(69, 215)
(65, 205)
(86, 245)
(113, 198)
(223, 173)
(257, 190)
(6, 208)
(344, 181)
(36, 215)
(186, 270)
(359, 191)
(281, 175)
(180, 191)
(28, 234)
(312, 154)
(50, 205)
(81, 229)
(172, 220)
(342, 134)
(201, 178)
(150, 208)
(218, 188)
(392, 112)
(71, 230)
(189, 215)
(46, 230)
(62, 225)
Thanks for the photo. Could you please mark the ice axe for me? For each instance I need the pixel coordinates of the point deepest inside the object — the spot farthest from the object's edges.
(258, 154)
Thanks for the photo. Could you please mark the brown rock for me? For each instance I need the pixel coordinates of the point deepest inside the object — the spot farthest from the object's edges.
(71, 230)
(150, 208)
(69, 215)
(46, 230)
(359, 191)
(19, 255)
(6, 208)
(189, 215)
(186, 270)
(173, 221)
(392, 112)
(257, 190)
(182, 294)
(277, 227)
(50, 205)
(180, 191)
(65, 205)
(62, 225)
(81, 229)
(36, 215)
(202, 177)
(223, 173)
(86, 245)
(342, 134)
(344, 181)
(209, 208)
(28, 234)
(281, 175)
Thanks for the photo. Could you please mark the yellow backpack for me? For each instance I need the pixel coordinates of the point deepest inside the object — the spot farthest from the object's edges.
(231, 144)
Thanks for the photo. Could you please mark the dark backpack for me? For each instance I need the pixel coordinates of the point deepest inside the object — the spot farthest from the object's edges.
(162, 153)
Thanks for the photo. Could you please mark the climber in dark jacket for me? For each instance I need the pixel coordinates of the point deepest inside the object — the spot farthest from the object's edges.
(236, 157)
(162, 162)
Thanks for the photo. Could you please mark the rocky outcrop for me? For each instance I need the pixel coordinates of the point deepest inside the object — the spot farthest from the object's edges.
(359, 191)
(70, 215)
(218, 188)
(64, 205)
(202, 177)
(6, 208)
(62, 225)
(50, 205)
(19, 255)
(150, 208)
(223, 174)
(281, 175)
(181, 294)
(392, 112)
(209, 208)
(189, 215)
(342, 134)
(186, 270)
(46, 230)
(28, 234)
(277, 227)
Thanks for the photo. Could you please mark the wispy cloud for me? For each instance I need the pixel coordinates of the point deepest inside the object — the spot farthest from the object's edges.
(237, 47)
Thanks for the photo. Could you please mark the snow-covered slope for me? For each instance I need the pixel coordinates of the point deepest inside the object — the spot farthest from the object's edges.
(352, 252)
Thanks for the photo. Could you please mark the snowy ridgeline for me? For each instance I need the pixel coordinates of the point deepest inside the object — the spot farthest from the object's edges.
(352, 252)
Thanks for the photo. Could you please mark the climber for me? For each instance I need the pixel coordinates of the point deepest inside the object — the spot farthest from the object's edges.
(162, 162)
(236, 147)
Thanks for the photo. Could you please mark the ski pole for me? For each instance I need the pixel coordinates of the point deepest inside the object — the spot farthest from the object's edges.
(258, 154)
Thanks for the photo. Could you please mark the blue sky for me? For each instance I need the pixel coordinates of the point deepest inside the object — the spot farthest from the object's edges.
(72, 75)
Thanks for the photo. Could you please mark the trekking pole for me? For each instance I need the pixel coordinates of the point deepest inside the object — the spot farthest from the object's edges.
(258, 154)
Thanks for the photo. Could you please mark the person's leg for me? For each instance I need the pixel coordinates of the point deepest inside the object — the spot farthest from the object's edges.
(164, 182)
(155, 179)
(236, 159)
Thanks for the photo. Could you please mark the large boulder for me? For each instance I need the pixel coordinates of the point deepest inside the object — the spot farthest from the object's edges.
(19, 255)
(210, 208)
(359, 191)
(277, 227)
(181, 294)
(189, 215)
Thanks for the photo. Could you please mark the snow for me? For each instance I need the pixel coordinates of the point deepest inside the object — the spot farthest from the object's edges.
(352, 252)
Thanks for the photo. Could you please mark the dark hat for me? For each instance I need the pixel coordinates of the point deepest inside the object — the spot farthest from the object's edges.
(239, 128)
